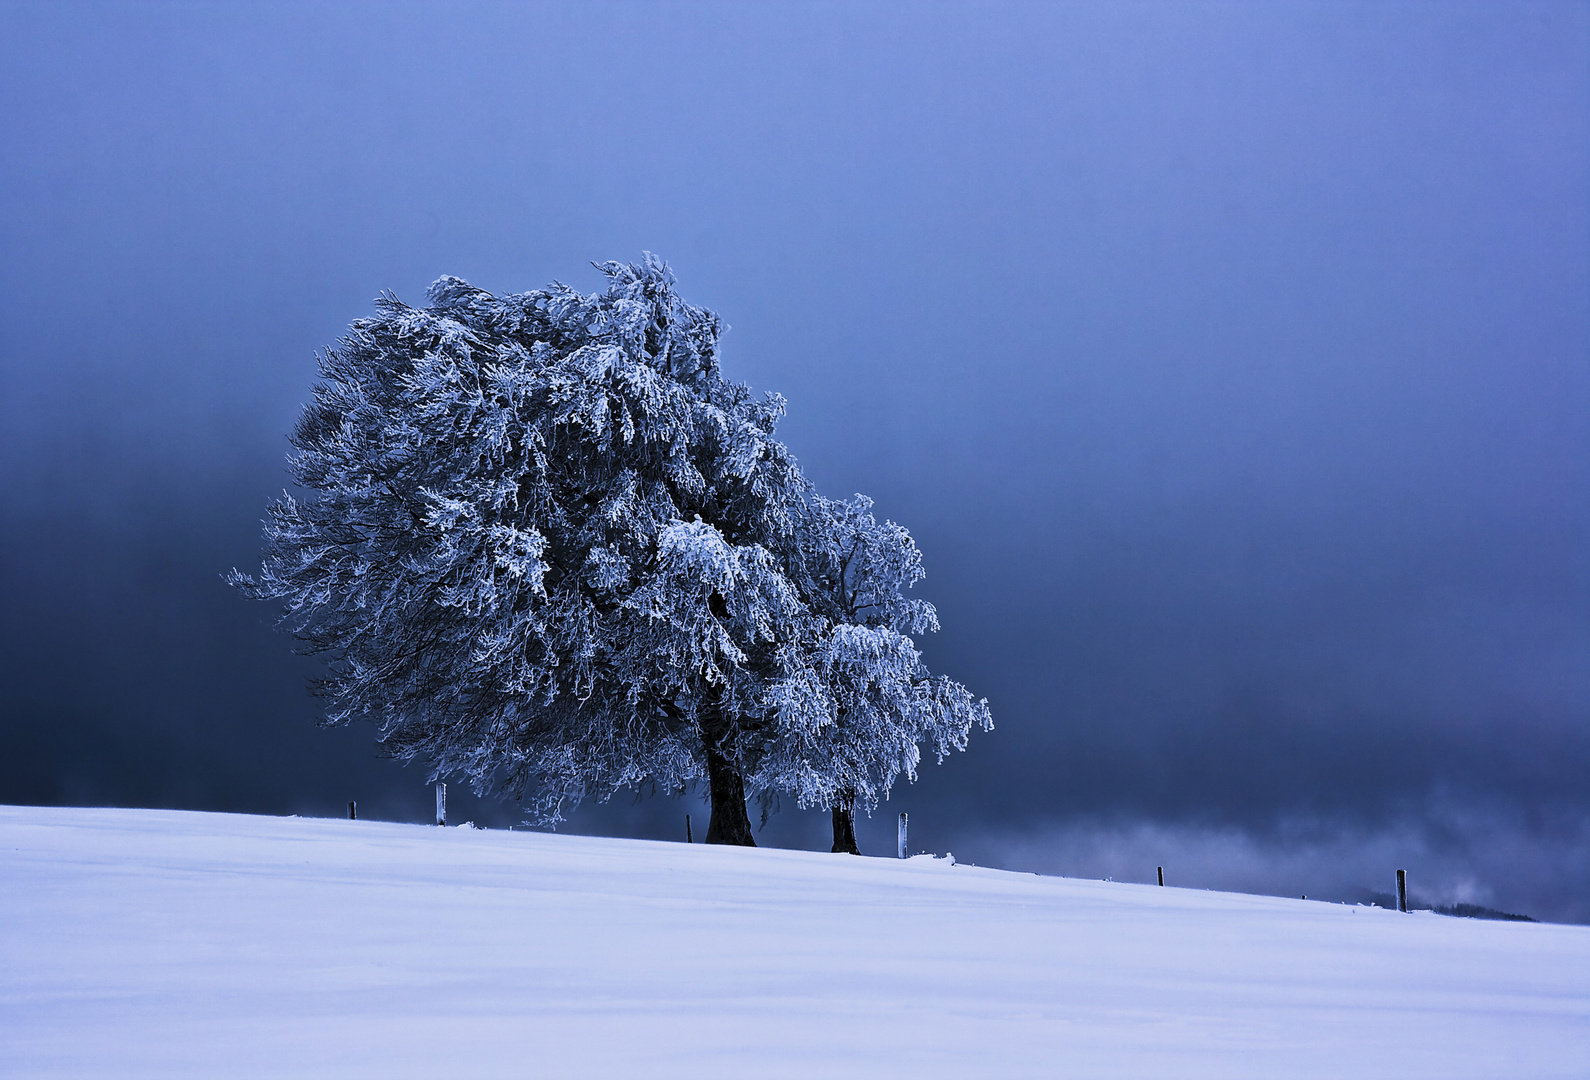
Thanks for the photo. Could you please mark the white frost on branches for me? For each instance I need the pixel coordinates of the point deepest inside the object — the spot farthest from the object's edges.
(548, 547)
(858, 702)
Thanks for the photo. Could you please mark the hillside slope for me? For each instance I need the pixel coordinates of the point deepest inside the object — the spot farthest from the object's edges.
(168, 944)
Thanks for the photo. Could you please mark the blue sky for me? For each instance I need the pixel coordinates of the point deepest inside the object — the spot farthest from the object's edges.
(1229, 362)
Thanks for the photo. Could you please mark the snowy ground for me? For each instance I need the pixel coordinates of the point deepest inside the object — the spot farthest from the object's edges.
(167, 944)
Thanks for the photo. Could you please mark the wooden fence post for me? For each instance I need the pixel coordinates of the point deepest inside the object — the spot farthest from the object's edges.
(1162, 877)
(902, 835)
(441, 803)
(688, 838)
(353, 810)
(1402, 890)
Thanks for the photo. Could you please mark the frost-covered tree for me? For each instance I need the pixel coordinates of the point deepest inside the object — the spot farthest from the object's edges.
(544, 543)
(547, 547)
(857, 702)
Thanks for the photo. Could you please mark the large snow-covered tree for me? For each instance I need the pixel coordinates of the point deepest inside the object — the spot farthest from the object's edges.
(547, 547)
(856, 703)
(543, 542)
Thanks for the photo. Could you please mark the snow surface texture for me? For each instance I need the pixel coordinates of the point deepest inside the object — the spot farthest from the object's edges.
(141, 943)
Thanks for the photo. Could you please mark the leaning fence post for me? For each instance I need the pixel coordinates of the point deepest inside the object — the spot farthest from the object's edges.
(441, 803)
(1162, 876)
(353, 810)
(1402, 890)
(902, 835)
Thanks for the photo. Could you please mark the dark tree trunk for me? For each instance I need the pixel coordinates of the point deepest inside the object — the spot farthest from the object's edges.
(845, 826)
(729, 823)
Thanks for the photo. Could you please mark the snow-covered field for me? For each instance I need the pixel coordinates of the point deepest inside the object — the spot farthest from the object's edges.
(167, 944)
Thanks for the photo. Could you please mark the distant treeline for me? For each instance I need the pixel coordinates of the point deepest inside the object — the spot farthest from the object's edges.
(1462, 911)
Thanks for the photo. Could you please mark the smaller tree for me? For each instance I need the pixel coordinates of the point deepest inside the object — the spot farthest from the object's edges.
(858, 702)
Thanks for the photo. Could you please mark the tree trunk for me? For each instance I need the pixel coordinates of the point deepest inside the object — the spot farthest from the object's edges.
(845, 825)
(729, 823)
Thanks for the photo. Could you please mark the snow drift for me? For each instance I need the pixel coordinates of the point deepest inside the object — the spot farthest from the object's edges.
(170, 944)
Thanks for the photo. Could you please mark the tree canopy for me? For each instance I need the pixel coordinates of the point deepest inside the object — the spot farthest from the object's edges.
(858, 702)
(546, 545)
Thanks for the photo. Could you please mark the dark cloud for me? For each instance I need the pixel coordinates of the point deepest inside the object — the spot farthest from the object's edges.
(1227, 362)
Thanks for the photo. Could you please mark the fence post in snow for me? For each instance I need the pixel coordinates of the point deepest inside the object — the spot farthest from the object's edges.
(902, 835)
(1402, 890)
(353, 810)
(688, 838)
(441, 803)
(1162, 877)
